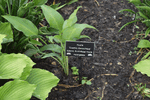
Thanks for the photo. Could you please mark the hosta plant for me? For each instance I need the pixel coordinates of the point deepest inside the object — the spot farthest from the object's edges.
(64, 30)
(27, 81)
(24, 15)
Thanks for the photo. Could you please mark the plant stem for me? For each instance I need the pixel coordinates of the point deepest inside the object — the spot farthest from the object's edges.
(65, 60)
(43, 41)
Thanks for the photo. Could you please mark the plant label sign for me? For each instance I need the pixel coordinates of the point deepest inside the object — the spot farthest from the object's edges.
(79, 49)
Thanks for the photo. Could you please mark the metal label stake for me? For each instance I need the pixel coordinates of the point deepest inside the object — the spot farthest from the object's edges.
(79, 49)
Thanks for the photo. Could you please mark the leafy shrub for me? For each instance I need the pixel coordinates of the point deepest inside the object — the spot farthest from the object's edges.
(67, 30)
(27, 81)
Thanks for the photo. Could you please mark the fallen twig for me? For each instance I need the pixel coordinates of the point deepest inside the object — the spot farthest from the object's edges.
(103, 90)
(109, 74)
(69, 86)
(89, 94)
(131, 83)
(138, 56)
(97, 2)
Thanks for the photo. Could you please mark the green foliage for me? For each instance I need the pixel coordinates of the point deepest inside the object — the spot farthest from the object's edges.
(27, 81)
(44, 81)
(143, 14)
(143, 67)
(143, 90)
(24, 25)
(5, 28)
(75, 71)
(143, 44)
(24, 15)
(17, 89)
(85, 81)
(67, 30)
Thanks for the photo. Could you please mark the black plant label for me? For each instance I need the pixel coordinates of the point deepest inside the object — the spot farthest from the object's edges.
(79, 49)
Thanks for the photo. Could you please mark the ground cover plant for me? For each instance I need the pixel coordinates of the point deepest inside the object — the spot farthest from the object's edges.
(27, 81)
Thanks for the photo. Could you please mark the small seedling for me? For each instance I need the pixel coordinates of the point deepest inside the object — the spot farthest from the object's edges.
(85, 81)
(99, 98)
(113, 41)
(75, 71)
(130, 53)
(143, 90)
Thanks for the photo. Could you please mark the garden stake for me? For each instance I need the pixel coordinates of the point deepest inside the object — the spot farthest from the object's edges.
(80, 69)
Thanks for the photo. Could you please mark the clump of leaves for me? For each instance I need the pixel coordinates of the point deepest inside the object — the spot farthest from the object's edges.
(75, 71)
(27, 81)
(85, 81)
(143, 90)
(63, 31)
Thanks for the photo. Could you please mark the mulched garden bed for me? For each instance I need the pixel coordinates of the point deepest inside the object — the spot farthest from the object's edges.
(112, 65)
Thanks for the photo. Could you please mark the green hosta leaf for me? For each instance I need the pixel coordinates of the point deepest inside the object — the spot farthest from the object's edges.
(52, 47)
(24, 25)
(53, 55)
(54, 19)
(35, 42)
(48, 31)
(5, 28)
(44, 80)
(72, 19)
(58, 38)
(1, 39)
(31, 52)
(143, 44)
(143, 67)
(16, 90)
(52, 39)
(73, 33)
(12, 66)
(39, 2)
(147, 32)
